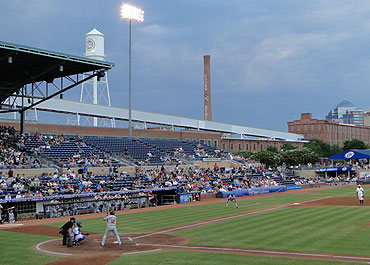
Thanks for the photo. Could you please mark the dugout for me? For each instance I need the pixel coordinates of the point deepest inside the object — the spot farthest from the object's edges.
(34, 207)
(166, 196)
(79, 207)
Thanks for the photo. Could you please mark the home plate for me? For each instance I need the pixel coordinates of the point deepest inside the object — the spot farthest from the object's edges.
(296, 203)
(115, 242)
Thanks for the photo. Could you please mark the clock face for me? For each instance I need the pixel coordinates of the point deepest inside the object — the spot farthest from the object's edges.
(90, 44)
(206, 98)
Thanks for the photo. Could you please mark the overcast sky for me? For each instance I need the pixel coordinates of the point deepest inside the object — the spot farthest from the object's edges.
(270, 60)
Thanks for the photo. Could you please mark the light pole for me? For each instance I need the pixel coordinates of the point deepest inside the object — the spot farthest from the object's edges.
(130, 13)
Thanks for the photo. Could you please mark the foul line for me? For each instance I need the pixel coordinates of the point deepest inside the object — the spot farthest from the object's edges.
(261, 251)
(50, 252)
(226, 218)
(141, 252)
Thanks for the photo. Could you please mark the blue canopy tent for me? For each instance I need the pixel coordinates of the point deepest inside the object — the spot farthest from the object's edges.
(352, 154)
(349, 154)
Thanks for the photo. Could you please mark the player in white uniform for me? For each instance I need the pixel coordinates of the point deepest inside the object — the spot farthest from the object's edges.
(360, 194)
(77, 235)
(111, 227)
(11, 218)
(231, 198)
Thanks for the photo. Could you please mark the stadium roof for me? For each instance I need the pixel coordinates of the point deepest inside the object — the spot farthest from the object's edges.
(352, 154)
(21, 65)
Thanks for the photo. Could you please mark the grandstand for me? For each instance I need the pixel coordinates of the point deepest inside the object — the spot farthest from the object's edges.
(78, 165)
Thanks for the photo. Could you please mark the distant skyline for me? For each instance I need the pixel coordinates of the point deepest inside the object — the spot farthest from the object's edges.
(270, 60)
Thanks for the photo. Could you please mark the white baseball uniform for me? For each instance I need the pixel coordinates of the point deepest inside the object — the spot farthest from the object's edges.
(111, 227)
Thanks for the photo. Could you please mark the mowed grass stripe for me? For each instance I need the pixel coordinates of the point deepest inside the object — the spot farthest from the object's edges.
(341, 227)
(339, 230)
(309, 230)
(169, 257)
(342, 191)
(288, 220)
(166, 218)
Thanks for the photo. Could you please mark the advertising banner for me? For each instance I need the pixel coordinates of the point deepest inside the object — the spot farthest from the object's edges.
(206, 159)
(335, 169)
(184, 198)
(364, 175)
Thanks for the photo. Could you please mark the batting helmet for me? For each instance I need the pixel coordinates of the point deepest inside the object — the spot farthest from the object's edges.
(79, 224)
(112, 213)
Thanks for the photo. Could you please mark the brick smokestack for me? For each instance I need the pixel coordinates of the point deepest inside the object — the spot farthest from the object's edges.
(207, 88)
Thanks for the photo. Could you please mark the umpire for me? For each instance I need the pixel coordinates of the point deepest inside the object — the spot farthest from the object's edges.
(66, 231)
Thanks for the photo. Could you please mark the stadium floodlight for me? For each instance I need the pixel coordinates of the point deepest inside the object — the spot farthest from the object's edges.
(130, 13)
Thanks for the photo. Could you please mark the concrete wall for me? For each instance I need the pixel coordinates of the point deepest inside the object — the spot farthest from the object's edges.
(305, 173)
(210, 164)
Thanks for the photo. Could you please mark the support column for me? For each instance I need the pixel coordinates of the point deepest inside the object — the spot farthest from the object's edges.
(22, 121)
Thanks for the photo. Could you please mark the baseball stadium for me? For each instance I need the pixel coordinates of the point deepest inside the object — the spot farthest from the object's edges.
(122, 186)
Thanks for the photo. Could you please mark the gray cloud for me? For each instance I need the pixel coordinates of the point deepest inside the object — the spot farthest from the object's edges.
(270, 60)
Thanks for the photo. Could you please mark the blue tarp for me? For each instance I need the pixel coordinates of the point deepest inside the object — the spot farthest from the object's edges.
(352, 154)
(254, 191)
(295, 187)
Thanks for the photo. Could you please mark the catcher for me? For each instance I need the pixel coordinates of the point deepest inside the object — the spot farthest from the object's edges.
(78, 235)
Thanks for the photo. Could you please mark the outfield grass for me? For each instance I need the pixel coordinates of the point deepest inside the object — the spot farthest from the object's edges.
(342, 191)
(334, 229)
(18, 249)
(163, 218)
(205, 258)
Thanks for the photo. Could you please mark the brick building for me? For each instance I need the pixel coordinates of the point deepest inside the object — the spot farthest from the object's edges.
(234, 145)
(327, 131)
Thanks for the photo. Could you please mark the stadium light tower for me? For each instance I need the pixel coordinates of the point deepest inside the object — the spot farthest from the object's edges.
(130, 13)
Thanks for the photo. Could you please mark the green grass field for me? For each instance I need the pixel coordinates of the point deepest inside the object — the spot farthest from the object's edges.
(18, 248)
(329, 229)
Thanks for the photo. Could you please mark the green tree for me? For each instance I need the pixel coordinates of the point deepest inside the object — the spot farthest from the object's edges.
(288, 146)
(320, 148)
(267, 157)
(244, 154)
(354, 144)
(272, 149)
(335, 149)
(298, 156)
